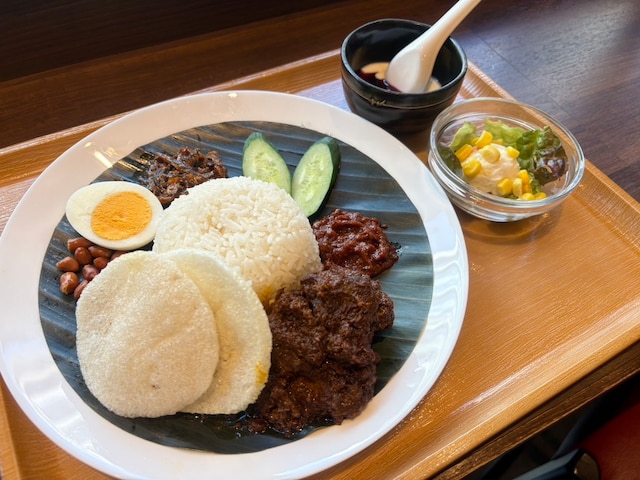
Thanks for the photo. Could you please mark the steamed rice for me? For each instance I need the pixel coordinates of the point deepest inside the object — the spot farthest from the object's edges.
(254, 226)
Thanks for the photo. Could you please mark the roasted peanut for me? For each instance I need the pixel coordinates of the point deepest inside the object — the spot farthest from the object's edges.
(74, 243)
(100, 262)
(83, 255)
(78, 290)
(68, 282)
(97, 251)
(68, 264)
(89, 272)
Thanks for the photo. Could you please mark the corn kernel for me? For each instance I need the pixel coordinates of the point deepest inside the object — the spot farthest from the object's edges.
(513, 152)
(516, 187)
(499, 141)
(526, 188)
(490, 153)
(504, 187)
(485, 139)
(540, 196)
(527, 196)
(524, 176)
(464, 151)
(471, 167)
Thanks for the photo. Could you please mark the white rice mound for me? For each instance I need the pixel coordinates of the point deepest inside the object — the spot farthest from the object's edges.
(146, 337)
(254, 226)
(243, 333)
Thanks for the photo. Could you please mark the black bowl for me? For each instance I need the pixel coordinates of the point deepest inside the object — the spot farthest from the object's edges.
(401, 114)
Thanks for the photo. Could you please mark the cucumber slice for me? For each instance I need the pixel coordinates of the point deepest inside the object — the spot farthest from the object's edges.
(261, 160)
(315, 175)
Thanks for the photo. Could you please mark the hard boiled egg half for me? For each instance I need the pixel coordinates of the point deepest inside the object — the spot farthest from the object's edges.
(119, 215)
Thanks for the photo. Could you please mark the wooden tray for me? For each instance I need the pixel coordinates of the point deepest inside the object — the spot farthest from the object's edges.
(552, 319)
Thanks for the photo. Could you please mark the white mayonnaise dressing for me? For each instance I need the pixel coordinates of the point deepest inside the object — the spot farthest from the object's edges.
(493, 171)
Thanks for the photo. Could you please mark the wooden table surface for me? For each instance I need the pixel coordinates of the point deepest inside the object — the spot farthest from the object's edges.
(578, 62)
(520, 363)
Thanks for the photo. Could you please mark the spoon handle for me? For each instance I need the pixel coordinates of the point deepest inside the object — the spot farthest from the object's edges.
(410, 69)
(449, 21)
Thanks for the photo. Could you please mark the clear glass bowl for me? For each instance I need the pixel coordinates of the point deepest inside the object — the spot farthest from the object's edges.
(486, 205)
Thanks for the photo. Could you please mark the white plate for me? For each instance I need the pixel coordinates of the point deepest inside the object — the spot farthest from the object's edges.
(56, 409)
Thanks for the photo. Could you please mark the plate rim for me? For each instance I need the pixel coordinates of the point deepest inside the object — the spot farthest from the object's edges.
(113, 141)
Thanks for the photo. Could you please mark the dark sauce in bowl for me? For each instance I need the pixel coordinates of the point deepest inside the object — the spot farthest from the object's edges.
(374, 73)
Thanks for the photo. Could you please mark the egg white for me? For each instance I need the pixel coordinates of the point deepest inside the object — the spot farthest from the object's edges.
(82, 203)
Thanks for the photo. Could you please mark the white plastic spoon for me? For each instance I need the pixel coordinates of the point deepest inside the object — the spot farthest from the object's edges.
(410, 70)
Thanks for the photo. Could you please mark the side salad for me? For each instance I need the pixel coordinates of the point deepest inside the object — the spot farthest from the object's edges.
(507, 161)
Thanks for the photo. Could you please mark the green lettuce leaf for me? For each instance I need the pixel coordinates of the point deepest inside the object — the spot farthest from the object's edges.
(500, 131)
(542, 154)
(463, 136)
(541, 151)
(450, 159)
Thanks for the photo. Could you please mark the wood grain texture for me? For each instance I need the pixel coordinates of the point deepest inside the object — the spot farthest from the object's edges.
(519, 365)
(576, 60)
(45, 35)
(76, 61)
(9, 463)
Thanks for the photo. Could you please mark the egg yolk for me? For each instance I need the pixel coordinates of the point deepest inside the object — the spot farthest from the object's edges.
(121, 215)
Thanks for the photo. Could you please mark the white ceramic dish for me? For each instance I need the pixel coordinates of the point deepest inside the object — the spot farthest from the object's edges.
(57, 410)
